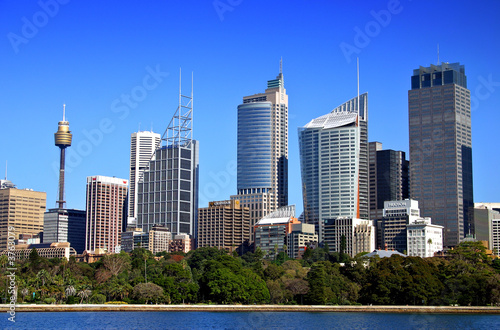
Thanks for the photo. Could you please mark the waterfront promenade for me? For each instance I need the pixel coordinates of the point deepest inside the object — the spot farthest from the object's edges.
(253, 308)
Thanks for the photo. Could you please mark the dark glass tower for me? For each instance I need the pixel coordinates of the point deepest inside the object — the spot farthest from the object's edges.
(441, 148)
(389, 178)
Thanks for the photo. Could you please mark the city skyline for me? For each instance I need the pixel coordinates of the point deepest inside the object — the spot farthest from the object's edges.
(92, 66)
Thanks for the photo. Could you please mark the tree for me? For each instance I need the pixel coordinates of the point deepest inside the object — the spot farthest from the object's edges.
(84, 294)
(328, 286)
(116, 263)
(147, 292)
(70, 291)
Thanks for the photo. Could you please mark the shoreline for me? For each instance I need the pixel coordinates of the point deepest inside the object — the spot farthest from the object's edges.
(254, 308)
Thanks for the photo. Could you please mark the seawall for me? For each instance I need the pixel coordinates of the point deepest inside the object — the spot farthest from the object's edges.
(254, 308)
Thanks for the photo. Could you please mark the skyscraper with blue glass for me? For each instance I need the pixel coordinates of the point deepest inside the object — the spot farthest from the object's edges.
(262, 168)
(441, 148)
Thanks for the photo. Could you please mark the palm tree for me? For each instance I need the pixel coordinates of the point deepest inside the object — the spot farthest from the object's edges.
(70, 291)
(429, 241)
(43, 276)
(84, 294)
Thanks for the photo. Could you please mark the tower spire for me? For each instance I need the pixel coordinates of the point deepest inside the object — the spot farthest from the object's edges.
(281, 65)
(64, 112)
(438, 54)
(357, 73)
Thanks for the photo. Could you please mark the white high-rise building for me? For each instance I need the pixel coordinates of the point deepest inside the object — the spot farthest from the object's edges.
(334, 165)
(142, 147)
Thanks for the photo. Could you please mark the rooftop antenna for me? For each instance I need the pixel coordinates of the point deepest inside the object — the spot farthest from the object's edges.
(64, 112)
(438, 54)
(151, 127)
(357, 72)
(281, 65)
(5, 170)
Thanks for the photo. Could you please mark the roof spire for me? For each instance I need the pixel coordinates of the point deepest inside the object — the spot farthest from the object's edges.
(281, 65)
(64, 112)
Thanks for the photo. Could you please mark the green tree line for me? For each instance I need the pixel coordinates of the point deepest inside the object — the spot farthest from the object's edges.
(208, 275)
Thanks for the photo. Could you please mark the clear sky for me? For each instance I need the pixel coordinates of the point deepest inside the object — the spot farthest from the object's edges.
(116, 66)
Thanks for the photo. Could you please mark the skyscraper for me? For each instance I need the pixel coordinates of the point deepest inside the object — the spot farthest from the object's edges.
(168, 191)
(262, 168)
(106, 200)
(142, 147)
(441, 148)
(389, 178)
(334, 164)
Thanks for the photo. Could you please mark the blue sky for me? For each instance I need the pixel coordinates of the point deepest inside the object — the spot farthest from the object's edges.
(91, 55)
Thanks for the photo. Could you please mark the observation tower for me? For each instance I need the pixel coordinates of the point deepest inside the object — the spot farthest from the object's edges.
(63, 140)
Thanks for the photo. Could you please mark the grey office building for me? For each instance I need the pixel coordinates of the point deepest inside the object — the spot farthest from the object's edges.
(441, 149)
(65, 225)
(168, 193)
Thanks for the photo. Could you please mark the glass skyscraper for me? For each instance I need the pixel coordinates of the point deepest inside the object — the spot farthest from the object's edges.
(262, 170)
(334, 164)
(441, 147)
(167, 193)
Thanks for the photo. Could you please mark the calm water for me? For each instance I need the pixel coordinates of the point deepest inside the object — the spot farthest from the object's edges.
(220, 320)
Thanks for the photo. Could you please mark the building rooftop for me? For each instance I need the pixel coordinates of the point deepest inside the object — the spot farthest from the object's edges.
(384, 254)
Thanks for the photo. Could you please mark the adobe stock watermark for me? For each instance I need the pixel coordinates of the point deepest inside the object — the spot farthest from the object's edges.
(12, 287)
(121, 106)
(372, 29)
(223, 6)
(483, 91)
(40, 19)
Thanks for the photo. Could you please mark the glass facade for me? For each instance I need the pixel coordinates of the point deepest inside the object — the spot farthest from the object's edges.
(167, 194)
(254, 145)
(440, 148)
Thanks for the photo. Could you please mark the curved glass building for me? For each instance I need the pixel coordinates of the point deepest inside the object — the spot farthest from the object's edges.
(254, 147)
(263, 150)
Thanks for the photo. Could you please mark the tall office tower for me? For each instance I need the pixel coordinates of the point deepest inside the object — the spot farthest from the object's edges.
(389, 180)
(262, 181)
(334, 164)
(225, 225)
(142, 147)
(63, 140)
(65, 225)
(106, 202)
(168, 192)
(440, 148)
(21, 212)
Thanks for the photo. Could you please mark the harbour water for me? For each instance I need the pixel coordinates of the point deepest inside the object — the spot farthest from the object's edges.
(246, 320)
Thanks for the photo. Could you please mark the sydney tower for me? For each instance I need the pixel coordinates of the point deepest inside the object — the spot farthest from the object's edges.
(63, 140)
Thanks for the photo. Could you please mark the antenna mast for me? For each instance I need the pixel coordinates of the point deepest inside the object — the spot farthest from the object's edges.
(438, 54)
(357, 72)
